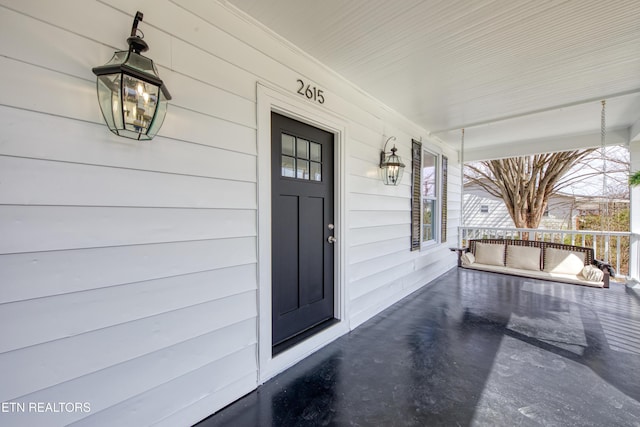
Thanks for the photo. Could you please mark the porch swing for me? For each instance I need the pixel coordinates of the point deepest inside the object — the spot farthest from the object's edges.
(545, 260)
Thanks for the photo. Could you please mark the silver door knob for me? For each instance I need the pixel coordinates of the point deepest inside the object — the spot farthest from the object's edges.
(331, 239)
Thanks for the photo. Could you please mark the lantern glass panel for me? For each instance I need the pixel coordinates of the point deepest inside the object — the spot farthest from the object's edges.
(109, 99)
(139, 102)
(156, 122)
(141, 63)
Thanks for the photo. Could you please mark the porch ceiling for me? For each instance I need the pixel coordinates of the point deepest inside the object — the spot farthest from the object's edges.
(484, 65)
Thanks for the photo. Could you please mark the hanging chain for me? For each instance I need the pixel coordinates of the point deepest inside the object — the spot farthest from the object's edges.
(462, 185)
(604, 217)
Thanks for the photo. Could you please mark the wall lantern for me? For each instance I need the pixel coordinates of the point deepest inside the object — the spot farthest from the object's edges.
(391, 166)
(132, 97)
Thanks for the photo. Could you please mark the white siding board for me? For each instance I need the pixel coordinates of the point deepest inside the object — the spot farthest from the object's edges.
(41, 320)
(66, 95)
(366, 168)
(362, 185)
(116, 384)
(369, 284)
(209, 395)
(197, 95)
(41, 274)
(25, 370)
(84, 185)
(47, 228)
(199, 65)
(157, 406)
(363, 236)
(435, 255)
(372, 250)
(376, 299)
(361, 219)
(76, 59)
(186, 125)
(383, 297)
(81, 142)
(57, 13)
(372, 202)
(376, 265)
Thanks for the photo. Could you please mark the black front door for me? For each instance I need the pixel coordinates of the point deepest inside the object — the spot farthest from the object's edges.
(302, 229)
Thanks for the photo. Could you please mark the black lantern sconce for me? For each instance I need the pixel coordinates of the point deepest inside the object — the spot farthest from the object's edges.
(132, 97)
(391, 166)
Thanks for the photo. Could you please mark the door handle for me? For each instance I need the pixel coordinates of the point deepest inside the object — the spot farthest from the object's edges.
(331, 239)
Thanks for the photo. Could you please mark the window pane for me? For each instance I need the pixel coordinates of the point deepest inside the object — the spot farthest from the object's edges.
(428, 226)
(316, 171)
(303, 148)
(429, 175)
(303, 169)
(288, 166)
(316, 152)
(288, 147)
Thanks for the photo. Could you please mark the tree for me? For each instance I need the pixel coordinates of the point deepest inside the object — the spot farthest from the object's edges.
(525, 183)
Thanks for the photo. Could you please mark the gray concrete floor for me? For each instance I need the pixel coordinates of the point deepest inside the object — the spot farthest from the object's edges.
(471, 348)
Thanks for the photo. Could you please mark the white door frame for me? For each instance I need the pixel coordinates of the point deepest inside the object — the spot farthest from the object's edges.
(273, 99)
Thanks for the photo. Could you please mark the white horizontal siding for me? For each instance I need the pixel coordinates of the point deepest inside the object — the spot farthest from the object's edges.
(47, 228)
(71, 314)
(73, 357)
(129, 269)
(87, 185)
(155, 370)
(42, 274)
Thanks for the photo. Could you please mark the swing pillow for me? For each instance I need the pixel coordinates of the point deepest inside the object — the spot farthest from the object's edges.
(523, 257)
(561, 261)
(490, 254)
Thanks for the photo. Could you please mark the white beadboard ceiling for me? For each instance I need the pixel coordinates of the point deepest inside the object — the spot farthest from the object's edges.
(505, 70)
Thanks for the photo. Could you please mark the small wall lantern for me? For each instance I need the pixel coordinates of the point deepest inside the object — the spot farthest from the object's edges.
(132, 97)
(391, 166)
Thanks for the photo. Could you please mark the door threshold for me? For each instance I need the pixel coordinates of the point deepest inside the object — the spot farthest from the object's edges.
(287, 344)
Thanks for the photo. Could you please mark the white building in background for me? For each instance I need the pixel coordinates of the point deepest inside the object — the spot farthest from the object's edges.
(481, 209)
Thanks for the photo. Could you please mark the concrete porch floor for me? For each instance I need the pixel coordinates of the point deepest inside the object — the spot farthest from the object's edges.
(471, 348)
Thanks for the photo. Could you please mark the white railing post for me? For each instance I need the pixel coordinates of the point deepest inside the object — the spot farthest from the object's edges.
(634, 257)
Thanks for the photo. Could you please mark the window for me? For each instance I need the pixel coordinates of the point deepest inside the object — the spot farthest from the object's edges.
(429, 195)
(301, 159)
(484, 208)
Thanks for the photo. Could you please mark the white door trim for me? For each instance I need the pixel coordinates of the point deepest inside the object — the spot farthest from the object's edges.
(273, 99)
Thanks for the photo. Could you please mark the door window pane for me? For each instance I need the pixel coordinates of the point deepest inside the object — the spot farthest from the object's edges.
(303, 169)
(316, 171)
(316, 152)
(303, 149)
(288, 145)
(288, 166)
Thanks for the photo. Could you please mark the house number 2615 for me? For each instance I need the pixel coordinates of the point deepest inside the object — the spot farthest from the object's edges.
(311, 92)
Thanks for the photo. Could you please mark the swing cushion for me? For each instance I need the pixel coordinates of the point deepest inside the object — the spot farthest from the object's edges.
(562, 261)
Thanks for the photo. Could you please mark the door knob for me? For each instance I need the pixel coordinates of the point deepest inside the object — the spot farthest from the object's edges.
(331, 239)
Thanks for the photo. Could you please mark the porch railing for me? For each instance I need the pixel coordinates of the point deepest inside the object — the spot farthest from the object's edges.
(620, 249)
